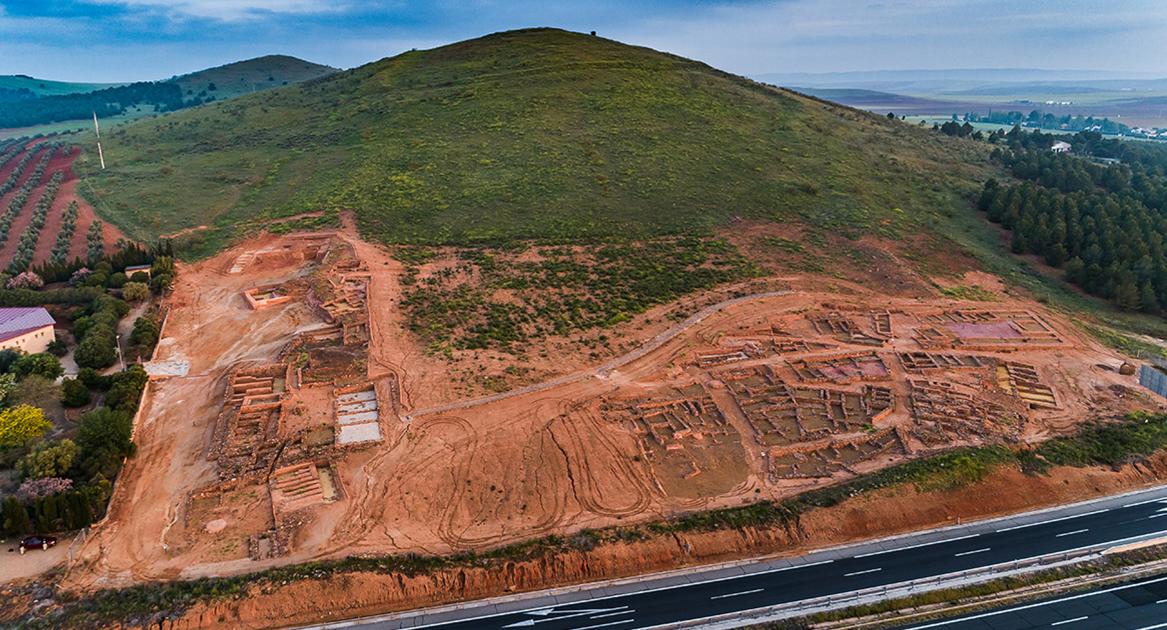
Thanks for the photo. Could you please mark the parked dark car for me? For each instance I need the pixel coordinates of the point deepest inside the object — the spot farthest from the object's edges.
(36, 542)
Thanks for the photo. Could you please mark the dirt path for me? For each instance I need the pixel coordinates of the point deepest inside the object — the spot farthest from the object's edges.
(604, 370)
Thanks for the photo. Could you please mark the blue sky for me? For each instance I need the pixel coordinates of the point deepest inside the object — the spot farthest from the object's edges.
(118, 40)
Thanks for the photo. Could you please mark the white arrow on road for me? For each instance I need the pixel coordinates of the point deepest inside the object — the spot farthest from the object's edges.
(559, 614)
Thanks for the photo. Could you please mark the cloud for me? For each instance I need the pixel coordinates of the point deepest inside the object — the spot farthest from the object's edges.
(229, 10)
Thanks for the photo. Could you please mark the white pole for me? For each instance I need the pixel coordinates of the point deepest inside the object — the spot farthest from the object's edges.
(97, 130)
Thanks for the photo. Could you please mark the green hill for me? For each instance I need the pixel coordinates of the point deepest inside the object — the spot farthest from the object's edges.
(539, 133)
(252, 75)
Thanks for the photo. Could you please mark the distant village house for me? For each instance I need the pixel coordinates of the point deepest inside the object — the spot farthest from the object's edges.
(133, 269)
(29, 330)
(1060, 147)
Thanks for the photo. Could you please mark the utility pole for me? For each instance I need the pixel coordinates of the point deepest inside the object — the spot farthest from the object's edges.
(121, 361)
(97, 130)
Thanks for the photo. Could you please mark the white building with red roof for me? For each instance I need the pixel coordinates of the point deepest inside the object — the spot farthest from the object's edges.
(29, 329)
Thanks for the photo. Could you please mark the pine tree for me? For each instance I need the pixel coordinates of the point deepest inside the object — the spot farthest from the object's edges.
(1148, 300)
(1076, 271)
(1126, 295)
(79, 506)
(15, 521)
(1018, 242)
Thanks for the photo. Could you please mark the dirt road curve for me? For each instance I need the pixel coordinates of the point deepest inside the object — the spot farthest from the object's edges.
(604, 369)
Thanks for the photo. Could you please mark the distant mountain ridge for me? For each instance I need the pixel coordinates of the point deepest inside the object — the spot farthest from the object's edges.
(27, 101)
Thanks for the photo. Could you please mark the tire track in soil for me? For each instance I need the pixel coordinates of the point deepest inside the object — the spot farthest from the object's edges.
(588, 491)
(552, 503)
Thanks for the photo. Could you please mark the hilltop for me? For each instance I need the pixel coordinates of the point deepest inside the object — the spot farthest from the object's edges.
(531, 134)
(251, 75)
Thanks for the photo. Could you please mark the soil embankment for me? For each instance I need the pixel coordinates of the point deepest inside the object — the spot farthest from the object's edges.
(880, 513)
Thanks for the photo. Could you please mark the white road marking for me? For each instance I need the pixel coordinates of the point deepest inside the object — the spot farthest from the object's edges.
(1052, 520)
(605, 625)
(615, 614)
(1076, 531)
(994, 613)
(927, 544)
(657, 589)
(1145, 501)
(969, 553)
(862, 572)
(550, 614)
(756, 590)
(1156, 515)
(1058, 623)
(1158, 625)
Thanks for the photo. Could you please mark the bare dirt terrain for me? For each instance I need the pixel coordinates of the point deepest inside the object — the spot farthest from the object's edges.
(304, 421)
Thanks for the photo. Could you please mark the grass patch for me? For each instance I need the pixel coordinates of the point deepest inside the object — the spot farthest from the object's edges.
(492, 298)
(973, 292)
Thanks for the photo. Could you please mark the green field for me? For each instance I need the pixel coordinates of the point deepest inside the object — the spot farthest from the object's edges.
(537, 134)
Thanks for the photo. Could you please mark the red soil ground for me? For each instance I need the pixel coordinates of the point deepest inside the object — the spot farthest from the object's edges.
(66, 194)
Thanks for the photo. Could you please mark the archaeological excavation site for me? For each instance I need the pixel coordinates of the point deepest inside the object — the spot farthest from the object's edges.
(292, 414)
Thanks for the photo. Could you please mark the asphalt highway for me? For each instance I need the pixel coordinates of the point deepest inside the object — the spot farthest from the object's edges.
(1140, 605)
(710, 593)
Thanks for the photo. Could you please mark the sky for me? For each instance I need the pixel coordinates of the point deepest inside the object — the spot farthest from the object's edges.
(125, 40)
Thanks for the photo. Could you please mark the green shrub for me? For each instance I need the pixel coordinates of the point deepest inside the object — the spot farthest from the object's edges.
(135, 292)
(104, 437)
(48, 459)
(74, 393)
(41, 364)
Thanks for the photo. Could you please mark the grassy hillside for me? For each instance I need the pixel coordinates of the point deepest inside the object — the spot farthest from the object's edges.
(539, 134)
(252, 75)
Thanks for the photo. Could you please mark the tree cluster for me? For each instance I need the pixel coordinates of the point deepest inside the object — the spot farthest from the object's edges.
(163, 96)
(96, 332)
(1090, 221)
(60, 254)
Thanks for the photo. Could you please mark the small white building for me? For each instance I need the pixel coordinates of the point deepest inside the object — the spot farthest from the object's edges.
(1060, 147)
(27, 329)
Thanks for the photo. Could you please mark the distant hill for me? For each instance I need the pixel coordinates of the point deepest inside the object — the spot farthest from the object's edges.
(52, 103)
(539, 133)
(873, 99)
(1135, 98)
(31, 87)
(923, 82)
(252, 75)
